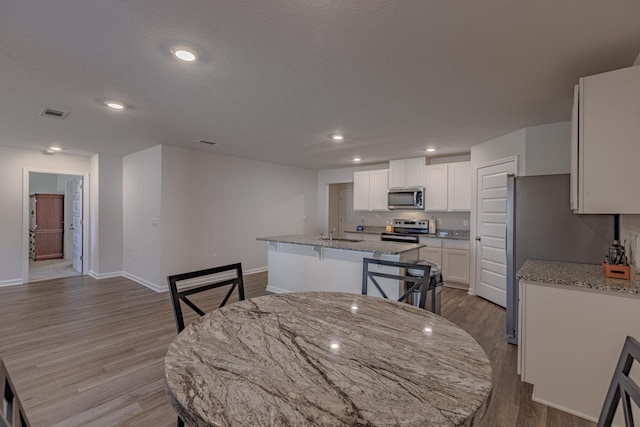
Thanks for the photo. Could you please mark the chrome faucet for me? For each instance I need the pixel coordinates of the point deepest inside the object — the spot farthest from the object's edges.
(331, 233)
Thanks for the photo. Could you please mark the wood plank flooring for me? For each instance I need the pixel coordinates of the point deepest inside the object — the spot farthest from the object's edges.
(84, 352)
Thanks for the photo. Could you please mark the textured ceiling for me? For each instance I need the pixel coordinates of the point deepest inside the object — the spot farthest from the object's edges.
(276, 77)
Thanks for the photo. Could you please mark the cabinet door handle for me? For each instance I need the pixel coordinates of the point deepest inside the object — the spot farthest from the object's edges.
(478, 238)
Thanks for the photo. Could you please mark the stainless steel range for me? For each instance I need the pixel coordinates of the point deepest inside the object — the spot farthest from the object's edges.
(406, 230)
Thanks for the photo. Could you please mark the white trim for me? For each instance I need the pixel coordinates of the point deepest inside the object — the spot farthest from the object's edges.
(255, 270)
(86, 217)
(562, 408)
(164, 287)
(99, 276)
(146, 283)
(12, 282)
(276, 290)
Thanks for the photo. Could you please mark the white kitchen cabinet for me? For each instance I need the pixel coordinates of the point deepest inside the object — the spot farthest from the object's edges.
(406, 173)
(459, 186)
(452, 256)
(433, 251)
(436, 179)
(455, 261)
(569, 342)
(370, 190)
(448, 187)
(605, 147)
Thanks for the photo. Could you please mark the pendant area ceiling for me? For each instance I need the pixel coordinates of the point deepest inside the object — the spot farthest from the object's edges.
(274, 79)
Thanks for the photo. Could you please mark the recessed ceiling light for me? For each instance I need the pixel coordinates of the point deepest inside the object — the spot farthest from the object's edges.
(114, 105)
(430, 150)
(184, 54)
(337, 136)
(54, 148)
(356, 159)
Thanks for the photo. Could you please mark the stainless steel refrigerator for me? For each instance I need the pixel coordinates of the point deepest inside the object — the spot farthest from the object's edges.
(541, 225)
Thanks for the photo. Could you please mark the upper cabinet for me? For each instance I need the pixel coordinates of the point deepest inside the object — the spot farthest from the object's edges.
(605, 144)
(370, 190)
(448, 187)
(459, 186)
(436, 191)
(406, 173)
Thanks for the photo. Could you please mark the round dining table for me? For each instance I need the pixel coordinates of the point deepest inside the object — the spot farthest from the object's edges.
(326, 359)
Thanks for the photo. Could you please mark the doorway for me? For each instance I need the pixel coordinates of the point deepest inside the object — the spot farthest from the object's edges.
(55, 226)
(340, 209)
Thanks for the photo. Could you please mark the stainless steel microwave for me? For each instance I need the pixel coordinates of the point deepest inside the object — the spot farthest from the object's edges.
(406, 198)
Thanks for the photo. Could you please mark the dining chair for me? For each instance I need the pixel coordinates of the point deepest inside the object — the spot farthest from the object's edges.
(11, 410)
(622, 386)
(204, 280)
(419, 282)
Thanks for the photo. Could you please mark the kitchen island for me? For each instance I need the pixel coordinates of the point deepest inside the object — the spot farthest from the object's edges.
(573, 323)
(308, 263)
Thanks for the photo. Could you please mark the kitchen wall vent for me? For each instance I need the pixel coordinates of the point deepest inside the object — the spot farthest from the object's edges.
(204, 141)
(56, 114)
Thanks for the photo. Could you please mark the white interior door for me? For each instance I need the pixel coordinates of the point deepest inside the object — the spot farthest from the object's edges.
(76, 224)
(346, 212)
(491, 226)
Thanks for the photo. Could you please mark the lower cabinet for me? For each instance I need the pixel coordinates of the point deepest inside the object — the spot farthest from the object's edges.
(455, 265)
(452, 256)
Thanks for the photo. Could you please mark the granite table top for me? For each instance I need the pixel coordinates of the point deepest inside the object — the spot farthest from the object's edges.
(589, 276)
(324, 358)
(380, 247)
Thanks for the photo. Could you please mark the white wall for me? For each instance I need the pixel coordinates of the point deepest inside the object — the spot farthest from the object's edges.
(141, 180)
(502, 147)
(548, 149)
(13, 161)
(106, 203)
(214, 207)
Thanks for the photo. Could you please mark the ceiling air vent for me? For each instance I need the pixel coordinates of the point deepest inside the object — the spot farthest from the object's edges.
(56, 114)
(204, 141)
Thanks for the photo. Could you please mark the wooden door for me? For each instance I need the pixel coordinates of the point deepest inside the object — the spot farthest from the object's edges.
(491, 226)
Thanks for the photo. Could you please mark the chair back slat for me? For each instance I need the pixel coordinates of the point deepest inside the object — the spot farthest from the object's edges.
(11, 410)
(418, 283)
(622, 386)
(178, 296)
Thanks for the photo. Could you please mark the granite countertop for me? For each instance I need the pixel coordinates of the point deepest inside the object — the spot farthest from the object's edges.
(442, 234)
(325, 358)
(380, 247)
(578, 275)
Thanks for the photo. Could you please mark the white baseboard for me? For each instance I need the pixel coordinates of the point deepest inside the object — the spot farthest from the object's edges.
(563, 409)
(255, 270)
(99, 276)
(144, 282)
(277, 290)
(11, 282)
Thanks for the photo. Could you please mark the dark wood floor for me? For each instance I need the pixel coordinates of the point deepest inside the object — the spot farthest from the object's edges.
(84, 352)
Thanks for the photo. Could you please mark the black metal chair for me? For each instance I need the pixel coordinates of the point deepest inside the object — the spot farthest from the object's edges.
(622, 386)
(11, 410)
(220, 278)
(419, 283)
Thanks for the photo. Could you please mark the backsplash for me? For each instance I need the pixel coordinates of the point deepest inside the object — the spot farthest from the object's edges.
(447, 220)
